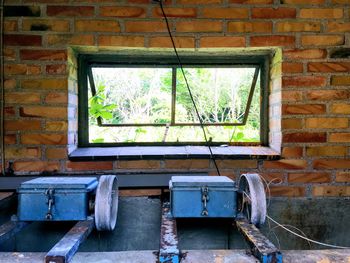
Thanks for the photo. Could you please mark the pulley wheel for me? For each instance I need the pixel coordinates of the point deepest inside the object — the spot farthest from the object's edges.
(253, 203)
(106, 203)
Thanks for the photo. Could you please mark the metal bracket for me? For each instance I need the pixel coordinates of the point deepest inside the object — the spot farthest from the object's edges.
(205, 200)
(50, 202)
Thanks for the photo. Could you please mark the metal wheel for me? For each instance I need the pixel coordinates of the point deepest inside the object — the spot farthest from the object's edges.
(106, 203)
(253, 203)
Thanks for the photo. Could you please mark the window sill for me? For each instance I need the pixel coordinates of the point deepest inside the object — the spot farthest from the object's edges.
(172, 152)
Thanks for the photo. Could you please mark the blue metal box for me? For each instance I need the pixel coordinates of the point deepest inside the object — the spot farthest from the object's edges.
(202, 196)
(55, 198)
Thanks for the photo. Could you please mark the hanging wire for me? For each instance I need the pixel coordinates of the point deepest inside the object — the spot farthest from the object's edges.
(2, 105)
(188, 87)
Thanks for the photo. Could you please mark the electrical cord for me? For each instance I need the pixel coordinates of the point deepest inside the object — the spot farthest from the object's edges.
(2, 106)
(188, 87)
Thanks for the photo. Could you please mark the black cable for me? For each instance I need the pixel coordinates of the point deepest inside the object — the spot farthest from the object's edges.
(188, 88)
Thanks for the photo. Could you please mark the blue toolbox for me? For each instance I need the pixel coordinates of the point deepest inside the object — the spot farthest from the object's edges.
(55, 198)
(197, 196)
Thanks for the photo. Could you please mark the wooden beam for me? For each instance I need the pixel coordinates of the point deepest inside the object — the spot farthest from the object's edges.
(66, 248)
(11, 228)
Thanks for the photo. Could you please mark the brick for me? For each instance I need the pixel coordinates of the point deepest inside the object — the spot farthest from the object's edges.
(175, 12)
(304, 53)
(10, 25)
(76, 39)
(309, 177)
(331, 190)
(304, 81)
(63, 10)
(49, 55)
(305, 137)
(97, 26)
(287, 191)
(45, 25)
(216, 42)
(22, 125)
(271, 13)
(22, 69)
(342, 177)
(341, 2)
(326, 151)
(22, 97)
(89, 166)
(331, 164)
(253, 2)
(232, 164)
(340, 80)
(19, 153)
(56, 126)
(335, 27)
(43, 112)
(292, 152)
(22, 40)
(326, 123)
(304, 109)
(294, 123)
(56, 153)
(45, 139)
(285, 164)
(9, 111)
(199, 1)
(292, 95)
(265, 41)
(21, 10)
(328, 66)
(226, 13)
(145, 26)
(56, 69)
(273, 178)
(127, 41)
(321, 13)
(340, 108)
(122, 11)
(10, 84)
(292, 67)
(249, 27)
(139, 164)
(322, 40)
(59, 84)
(339, 137)
(56, 97)
(199, 26)
(140, 192)
(9, 54)
(298, 27)
(327, 95)
(36, 166)
(165, 42)
(302, 2)
(187, 164)
(10, 139)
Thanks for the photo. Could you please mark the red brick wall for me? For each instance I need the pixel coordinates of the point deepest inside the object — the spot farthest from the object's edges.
(41, 87)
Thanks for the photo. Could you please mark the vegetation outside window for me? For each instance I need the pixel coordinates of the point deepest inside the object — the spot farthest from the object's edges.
(144, 100)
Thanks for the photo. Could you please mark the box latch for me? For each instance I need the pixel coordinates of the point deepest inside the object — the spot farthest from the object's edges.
(50, 202)
(205, 200)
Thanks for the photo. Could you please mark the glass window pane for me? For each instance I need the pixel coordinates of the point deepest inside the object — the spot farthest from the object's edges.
(131, 95)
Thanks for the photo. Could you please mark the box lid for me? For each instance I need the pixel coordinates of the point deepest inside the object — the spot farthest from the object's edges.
(190, 181)
(86, 183)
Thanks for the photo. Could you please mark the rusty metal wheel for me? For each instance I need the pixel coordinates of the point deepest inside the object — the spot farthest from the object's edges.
(106, 203)
(253, 203)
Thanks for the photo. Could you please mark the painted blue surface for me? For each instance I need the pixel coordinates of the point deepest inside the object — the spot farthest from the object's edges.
(71, 198)
(271, 259)
(186, 197)
(169, 259)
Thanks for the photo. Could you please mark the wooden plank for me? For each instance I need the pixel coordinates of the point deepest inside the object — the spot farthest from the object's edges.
(261, 247)
(65, 249)
(168, 251)
(5, 195)
(10, 228)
